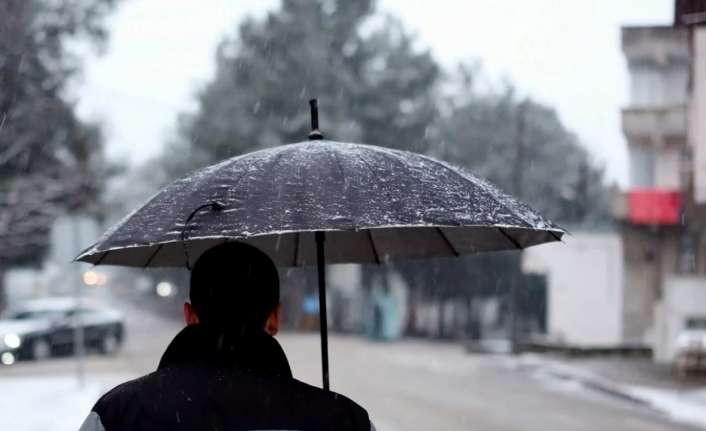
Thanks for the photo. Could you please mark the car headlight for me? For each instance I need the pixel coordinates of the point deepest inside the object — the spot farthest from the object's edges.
(7, 358)
(12, 341)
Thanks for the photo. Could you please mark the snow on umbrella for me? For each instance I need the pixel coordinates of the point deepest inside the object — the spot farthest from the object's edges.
(320, 202)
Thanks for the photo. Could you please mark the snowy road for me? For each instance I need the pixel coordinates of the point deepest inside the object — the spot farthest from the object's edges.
(408, 385)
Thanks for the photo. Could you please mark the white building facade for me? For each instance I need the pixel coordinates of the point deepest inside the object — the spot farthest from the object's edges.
(584, 276)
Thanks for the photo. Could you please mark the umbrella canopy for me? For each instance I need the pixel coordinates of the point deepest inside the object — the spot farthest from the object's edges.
(368, 204)
(375, 205)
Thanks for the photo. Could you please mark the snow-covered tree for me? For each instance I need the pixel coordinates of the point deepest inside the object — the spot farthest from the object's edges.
(373, 85)
(50, 161)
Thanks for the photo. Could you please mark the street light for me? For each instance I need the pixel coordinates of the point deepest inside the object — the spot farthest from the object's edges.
(164, 289)
(90, 278)
(93, 278)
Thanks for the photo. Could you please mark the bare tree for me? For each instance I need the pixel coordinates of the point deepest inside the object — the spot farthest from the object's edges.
(50, 161)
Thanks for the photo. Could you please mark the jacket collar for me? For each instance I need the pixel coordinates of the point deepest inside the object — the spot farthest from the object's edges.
(256, 352)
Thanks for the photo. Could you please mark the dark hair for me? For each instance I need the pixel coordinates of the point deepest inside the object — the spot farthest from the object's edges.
(234, 286)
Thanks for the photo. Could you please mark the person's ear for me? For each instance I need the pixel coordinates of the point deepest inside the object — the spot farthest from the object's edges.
(272, 324)
(190, 317)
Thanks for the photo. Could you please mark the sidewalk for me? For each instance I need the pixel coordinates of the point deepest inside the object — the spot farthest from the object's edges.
(639, 372)
(637, 380)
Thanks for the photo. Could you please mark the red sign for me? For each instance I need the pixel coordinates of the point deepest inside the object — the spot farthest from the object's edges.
(654, 206)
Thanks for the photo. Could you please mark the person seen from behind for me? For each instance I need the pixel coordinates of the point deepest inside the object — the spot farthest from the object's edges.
(225, 370)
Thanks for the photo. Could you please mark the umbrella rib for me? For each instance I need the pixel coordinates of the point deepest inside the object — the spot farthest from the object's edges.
(554, 235)
(389, 196)
(100, 259)
(448, 242)
(372, 244)
(149, 261)
(512, 240)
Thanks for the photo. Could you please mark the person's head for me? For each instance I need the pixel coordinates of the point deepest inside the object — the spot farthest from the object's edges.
(234, 287)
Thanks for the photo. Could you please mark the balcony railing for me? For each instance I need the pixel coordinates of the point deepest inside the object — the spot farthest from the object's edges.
(654, 126)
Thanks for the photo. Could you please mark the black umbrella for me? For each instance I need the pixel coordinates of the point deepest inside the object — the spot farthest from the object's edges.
(322, 201)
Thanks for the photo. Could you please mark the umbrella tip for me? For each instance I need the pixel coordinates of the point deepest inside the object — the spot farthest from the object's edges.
(315, 134)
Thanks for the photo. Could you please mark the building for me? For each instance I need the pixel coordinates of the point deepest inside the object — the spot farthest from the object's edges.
(58, 275)
(643, 284)
(379, 310)
(584, 279)
(655, 128)
(664, 218)
(681, 307)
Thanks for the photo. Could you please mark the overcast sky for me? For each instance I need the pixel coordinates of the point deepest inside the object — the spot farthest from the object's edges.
(565, 53)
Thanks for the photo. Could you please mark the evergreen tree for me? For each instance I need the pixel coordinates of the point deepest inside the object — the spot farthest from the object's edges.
(373, 86)
(523, 148)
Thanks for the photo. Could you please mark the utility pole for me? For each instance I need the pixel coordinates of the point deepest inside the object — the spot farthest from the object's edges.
(518, 190)
(520, 150)
(79, 344)
(581, 193)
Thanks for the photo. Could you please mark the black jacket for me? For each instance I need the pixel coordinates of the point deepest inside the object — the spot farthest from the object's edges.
(212, 381)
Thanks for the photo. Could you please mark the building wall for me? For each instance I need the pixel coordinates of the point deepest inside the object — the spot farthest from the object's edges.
(655, 167)
(25, 283)
(378, 311)
(58, 274)
(697, 119)
(655, 126)
(668, 167)
(648, 255)
(657, 85)
(69, 235)
(642, 166)
(584, 287)
(684, 297)
(655, 121)
(347, 298)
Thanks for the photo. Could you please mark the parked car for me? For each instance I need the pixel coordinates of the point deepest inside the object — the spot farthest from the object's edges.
(691, 348)
(43, 328)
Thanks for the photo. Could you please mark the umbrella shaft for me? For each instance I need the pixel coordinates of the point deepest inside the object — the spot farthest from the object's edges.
(323, 322)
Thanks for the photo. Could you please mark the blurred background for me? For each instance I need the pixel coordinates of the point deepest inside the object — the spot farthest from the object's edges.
(594, 114)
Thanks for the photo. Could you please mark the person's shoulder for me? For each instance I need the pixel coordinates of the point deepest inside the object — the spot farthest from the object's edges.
(122, 394)
(123, 406)
(331, 396)
(332, 402)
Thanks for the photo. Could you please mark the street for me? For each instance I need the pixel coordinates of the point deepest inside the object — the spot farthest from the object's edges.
(405, 385)
(498, 209)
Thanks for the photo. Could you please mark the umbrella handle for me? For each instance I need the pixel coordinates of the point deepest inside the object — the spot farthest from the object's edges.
(215, 206)
(315, 134)
(323, 322)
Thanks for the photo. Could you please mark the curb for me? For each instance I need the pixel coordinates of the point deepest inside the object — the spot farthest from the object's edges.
(602, 386)
(626, 393)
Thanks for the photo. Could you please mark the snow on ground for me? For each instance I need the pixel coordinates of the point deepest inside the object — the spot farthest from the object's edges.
(686, 406)
(433, 363)
(554, 383)
(49, 403)
(524, 361)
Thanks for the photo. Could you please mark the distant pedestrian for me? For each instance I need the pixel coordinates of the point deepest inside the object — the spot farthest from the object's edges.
(225, 371)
